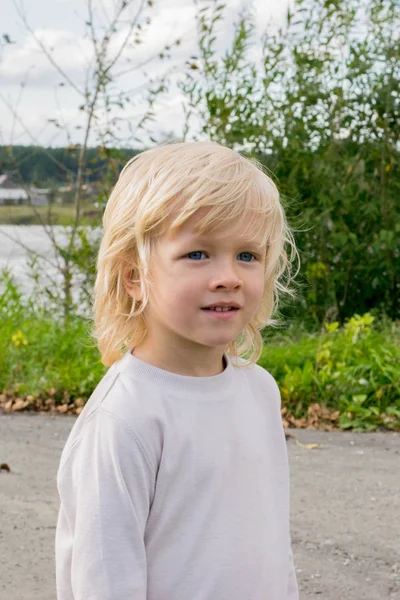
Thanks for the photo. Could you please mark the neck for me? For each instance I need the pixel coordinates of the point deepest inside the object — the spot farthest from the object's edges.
(201, 362)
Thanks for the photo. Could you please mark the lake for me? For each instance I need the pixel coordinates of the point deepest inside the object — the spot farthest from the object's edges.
(17, 242)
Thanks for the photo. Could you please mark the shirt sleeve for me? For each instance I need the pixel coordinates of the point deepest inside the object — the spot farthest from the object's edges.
(293, 591)
(106, 485)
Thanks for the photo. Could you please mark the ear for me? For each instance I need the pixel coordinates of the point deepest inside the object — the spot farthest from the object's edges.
(131, 286)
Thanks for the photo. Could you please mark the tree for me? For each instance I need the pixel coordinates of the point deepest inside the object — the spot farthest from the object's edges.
(320, 109)
(114, 35)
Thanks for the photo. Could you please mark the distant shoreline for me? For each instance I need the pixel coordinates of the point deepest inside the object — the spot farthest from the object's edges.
(59, 215)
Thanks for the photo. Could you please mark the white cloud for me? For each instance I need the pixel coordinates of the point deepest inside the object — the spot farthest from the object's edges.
(68, 50)
(60, 25)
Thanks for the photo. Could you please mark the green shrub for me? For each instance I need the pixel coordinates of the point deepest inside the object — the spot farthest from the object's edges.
(37, 353)
(354, 369)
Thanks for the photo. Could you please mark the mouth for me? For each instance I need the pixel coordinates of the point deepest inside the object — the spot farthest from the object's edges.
(221, 314)
(221, 309)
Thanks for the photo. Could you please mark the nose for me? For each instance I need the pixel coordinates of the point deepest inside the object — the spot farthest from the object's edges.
(226, 277)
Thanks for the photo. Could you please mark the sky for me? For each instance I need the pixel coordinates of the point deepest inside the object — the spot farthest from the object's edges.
(34, 97)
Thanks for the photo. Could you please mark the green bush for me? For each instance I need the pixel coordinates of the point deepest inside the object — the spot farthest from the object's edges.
(37, 353)
(354, 369)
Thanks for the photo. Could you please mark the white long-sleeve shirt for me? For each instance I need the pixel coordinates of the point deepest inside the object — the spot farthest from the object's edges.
(176, 488)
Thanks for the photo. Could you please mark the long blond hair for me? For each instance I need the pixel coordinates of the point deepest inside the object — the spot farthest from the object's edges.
(163, 187)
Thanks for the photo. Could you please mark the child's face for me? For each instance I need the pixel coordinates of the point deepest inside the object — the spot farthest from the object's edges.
(190, 274)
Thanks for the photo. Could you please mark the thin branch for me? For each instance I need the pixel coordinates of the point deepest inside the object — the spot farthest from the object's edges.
(137, 66)
(128, 36)
(49, 232)
(22, 87)
(92, 30)
(63, 122)
(27, 191)
(81, 160)
(105, 14)
(188, 35)
(29, 250)
(100, 72)
(130, 92)
(20, 11)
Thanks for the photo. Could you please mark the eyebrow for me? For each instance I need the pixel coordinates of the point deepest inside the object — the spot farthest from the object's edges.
(205, 239)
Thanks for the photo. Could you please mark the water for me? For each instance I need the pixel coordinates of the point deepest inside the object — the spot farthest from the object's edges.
(18, 242)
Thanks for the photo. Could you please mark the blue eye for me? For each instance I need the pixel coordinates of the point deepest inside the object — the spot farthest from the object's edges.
(200, 252)
(248, 254)
(195, 252)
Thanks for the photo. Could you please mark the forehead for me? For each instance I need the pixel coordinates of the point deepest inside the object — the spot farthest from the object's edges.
(250, 227)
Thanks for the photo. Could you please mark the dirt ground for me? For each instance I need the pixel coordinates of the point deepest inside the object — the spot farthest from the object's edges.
(345, 505)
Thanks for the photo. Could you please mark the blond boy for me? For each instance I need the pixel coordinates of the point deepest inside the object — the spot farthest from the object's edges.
(174, 481)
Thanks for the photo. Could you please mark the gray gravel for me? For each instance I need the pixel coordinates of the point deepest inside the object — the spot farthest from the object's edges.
(345, 510)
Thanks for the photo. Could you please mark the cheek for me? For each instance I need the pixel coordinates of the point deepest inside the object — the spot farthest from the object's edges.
(260, 289)
(255, 296)
(189, 293)
(255, 287)
(180, 292)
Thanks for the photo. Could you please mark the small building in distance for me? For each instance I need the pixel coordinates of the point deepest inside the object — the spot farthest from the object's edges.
(12, 193)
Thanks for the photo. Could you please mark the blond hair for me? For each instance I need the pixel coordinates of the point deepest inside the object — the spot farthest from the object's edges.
(159, 190)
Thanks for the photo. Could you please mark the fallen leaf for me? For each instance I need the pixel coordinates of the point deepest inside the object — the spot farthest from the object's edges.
(308, 446)
(20, 404)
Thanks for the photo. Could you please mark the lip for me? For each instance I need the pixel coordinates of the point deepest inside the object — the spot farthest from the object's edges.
(222, 315)
(223, 304)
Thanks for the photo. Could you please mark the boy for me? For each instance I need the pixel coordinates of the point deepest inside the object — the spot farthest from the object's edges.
(174, 481)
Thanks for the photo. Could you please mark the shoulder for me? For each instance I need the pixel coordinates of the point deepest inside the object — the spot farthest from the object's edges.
(259, 379)
(120, 414)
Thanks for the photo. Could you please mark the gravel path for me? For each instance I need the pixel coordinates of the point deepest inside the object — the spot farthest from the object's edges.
(345, 510)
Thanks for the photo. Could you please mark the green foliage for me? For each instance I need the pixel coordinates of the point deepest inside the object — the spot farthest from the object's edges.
(38, 353)
(224, 93)
(320, 108)
(354, 369)
(78, 266)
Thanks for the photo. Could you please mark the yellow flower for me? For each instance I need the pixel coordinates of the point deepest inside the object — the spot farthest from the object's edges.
(18, 339)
